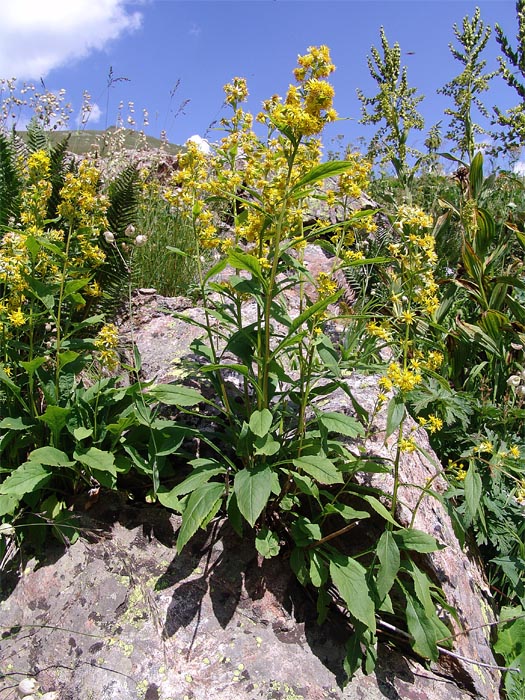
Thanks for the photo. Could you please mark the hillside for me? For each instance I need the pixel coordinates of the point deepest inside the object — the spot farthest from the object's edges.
(89, 139)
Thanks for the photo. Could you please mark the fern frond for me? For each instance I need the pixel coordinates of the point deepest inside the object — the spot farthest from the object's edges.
(113, 275)
(58, 169)
(10, 182)
(36, 138)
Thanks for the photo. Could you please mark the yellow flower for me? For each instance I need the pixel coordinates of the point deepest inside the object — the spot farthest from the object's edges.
(485, 446)
(379, 330)
(434, 423)
(404, 378)
(515, 451)
(326, 286)
(17, 317)
(106, 343)
(407, 445)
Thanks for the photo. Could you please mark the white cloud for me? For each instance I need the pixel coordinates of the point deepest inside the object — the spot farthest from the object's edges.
(202, 144)
(89, 118)
(519, 168)
(39, 35)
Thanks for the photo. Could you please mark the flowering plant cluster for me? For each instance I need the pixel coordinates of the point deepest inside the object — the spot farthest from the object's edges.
(289, 470)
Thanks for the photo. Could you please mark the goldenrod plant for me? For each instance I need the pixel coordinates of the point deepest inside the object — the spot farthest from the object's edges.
(288, 476)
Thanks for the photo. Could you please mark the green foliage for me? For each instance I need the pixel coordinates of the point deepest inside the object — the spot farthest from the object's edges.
(396, 105)
(466, 87)
(511, 645)
(284, 469)
(512, 70)
(10, 181)
(67, 428)
(438, 319)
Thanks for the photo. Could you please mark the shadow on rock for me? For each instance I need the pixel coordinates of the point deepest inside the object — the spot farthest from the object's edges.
(226, 558)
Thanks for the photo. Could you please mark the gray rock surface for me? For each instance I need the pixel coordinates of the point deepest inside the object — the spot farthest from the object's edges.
(120, 615)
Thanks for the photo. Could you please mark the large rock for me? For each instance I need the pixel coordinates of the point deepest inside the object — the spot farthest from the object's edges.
(120, 615)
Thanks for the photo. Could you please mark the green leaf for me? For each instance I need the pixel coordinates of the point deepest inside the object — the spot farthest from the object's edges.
(322, 469)
(201, 503)
(173, 395)
(253, 488)
(245, 261)
(341, 424)
(473, 490)
(93, 458)
(304, 532)
(12, 423)
(312, 310)
(476, 334)
(66, 357)
(476, 174)
(199, 476)
(261, 422)
(349, 578)
(511, 635)
(345, 511)
(51, 457)
(82, 433)
(216, 269)
(318, 569)
(380, 509)
(27, 478)
(267, 543)
(390, 560)
(55, 417)
(320, 172)
(395, 414)
(421, 628)
(8, 504)
(31, 367)
(416, 541)
(305, 484)
(266, 446)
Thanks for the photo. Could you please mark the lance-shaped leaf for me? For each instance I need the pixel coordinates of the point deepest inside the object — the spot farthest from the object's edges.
(349, 578)
(201, 503)
(322, 469)
(253, 488)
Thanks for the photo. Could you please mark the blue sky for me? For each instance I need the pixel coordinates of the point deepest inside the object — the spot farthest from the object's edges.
(200, 45)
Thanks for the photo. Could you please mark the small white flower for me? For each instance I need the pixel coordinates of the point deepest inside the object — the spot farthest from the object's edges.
(130, 231)
(140, 240)
(27, 686)
(521, 390)
(110, 237)
(6, 530)
(514, 380)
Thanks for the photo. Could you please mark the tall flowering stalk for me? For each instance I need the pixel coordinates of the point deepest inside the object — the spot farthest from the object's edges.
(407, 328)
(286, 474)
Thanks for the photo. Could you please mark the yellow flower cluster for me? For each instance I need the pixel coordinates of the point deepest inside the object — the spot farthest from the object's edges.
(236, 91)
(380, 330)
(32, 250)
(36, 192)
(106, 344)
(81, 204)
(407, 444)
(308, 105)
(326, 286)
(401, 378)
(457, 469)
(433, 423)
(412, 217)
